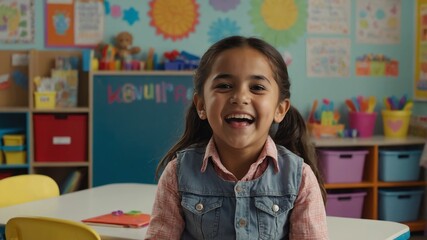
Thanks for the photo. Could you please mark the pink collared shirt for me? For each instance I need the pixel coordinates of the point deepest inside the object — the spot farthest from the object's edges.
(308, 219)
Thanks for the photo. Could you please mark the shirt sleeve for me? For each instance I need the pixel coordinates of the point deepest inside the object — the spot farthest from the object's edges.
(308, 219)
(167, 220)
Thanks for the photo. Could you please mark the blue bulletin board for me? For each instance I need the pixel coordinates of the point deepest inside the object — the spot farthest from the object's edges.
(136, 119)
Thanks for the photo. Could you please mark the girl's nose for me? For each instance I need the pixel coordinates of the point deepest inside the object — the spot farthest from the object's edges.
(240, 97)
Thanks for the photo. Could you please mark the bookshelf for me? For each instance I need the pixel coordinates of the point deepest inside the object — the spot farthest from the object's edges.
(17, 110)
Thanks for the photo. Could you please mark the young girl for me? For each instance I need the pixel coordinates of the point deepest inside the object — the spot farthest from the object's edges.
(244, 166)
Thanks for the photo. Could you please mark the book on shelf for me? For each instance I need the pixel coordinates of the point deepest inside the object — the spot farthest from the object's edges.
(72, 182)
(132, 219)
(66, 87)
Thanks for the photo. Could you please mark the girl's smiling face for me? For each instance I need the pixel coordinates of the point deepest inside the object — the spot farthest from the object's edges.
(241, 99)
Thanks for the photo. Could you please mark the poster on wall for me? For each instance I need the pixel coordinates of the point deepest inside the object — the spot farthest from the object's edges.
(328, 57)
(74, 23)
(329, 16)
(420, 84)
(17, 21)
(378, 21)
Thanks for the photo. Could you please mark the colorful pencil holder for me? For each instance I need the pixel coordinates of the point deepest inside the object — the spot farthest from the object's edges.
(396, 123)
(363, 122)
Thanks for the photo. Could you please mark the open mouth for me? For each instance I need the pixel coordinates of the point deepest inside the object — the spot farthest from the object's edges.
(240, 119)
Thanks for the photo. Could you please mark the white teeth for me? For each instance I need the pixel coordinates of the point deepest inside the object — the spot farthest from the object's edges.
(240, 116)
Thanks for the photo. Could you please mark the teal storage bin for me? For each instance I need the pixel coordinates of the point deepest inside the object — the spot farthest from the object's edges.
(399, 205)
(399, 165)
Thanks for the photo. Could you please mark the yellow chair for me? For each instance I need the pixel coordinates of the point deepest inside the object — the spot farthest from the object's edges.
(26, 188)
(45, 228)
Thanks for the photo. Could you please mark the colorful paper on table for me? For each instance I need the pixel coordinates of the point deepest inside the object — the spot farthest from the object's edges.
(121, 220)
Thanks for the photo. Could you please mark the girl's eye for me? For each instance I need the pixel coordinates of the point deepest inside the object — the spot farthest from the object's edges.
(258, 88)
(223, 86)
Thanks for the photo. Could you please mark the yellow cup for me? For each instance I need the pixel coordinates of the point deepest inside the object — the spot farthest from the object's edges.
(396, 123)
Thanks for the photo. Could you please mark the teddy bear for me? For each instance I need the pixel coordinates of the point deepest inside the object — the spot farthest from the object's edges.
(123, 44)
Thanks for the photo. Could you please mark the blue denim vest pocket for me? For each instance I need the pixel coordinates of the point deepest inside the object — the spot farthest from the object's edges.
(272, 214)
(202, 215)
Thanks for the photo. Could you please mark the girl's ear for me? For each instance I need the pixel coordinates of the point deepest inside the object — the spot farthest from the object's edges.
(200, 106)
(281, 110)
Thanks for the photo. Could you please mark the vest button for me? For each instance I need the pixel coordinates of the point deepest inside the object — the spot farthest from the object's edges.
(275, 208)
(242, 222)
(199, 207)
(238, 188)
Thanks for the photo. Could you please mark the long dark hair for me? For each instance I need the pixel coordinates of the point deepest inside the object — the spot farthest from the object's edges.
(291, 132)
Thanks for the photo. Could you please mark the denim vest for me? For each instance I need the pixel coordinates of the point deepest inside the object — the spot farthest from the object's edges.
(217, 209)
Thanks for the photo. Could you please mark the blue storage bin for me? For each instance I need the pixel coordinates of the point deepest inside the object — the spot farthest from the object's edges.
(399, 205)
(399, 165)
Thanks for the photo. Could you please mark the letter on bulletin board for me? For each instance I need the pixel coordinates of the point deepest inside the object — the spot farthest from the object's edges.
(74, 23)
(420, 84)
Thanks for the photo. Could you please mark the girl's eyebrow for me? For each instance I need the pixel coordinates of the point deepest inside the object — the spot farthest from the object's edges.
(223, 76)
(260, 77)
(230, 76)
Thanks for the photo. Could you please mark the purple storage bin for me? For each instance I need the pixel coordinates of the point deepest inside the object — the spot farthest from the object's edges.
(345, 204)
(342, 166)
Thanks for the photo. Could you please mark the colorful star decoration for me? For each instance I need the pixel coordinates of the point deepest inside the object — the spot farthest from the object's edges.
(131, 15)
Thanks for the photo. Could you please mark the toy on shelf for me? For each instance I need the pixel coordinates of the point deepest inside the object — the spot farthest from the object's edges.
(120, 55)
(180, 60)
(323, 122)
(124, 48)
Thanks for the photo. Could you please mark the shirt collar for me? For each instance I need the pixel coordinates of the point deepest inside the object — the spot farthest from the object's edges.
(269, 150)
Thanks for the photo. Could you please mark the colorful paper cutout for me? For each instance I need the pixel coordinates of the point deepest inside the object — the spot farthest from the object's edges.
(224, 5)
(130, 15)
(276, 27)
(174, 19)
(377, 65)
(221, 28)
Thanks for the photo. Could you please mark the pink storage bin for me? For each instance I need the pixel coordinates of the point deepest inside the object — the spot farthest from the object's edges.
(345, 204)
(342, 166)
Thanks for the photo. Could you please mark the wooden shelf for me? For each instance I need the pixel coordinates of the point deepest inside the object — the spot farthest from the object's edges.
(60, 164)
(139, 73)
(348, 185)
(14, 110)
(371, 183)
(402, 184)
(417, 226)
(366, 142)
(62, 110)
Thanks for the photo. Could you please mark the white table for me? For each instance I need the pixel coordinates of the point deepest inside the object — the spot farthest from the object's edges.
(132, 196)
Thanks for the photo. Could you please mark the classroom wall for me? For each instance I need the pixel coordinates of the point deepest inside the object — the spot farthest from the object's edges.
(240, 18)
